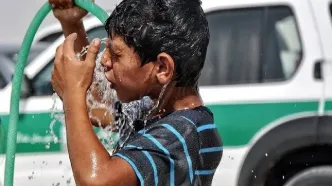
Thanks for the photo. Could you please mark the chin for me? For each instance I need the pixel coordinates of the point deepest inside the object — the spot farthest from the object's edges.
(126, 99)
(123, 99)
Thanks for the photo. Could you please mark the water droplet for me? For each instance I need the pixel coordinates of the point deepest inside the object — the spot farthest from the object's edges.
(57, 184)
(69, 181)
(266, 154)
(255, 177)
(47, 146)
(283, 177)
(33, 116)
(252, 171)
(290, 162)
(60, 162)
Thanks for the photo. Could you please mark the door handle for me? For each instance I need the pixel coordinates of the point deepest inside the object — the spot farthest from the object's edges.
(318, 70)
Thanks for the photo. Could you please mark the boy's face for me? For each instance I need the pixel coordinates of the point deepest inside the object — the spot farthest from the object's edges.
(123, 69)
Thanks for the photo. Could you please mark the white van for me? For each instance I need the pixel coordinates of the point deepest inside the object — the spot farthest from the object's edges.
(267, 79)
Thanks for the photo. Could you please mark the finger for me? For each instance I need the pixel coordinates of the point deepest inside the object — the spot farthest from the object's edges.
(105, 58)
(52, 2)
(56, 3)
(62, 4)
(69, 3)
(93, 52)
(56, 84)
(56, 70)
(68, 46)
(58, 55)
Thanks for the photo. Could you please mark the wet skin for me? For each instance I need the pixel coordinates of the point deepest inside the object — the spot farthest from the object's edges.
(71, 78)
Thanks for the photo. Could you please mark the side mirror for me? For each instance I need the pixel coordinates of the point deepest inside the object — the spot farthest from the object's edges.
(27, 88)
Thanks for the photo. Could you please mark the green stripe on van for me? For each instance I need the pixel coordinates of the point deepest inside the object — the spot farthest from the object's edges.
(237, 123)
(328, 105)
(32, 133)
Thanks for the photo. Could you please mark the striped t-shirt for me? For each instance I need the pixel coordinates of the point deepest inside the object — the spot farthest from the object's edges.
(182, 148)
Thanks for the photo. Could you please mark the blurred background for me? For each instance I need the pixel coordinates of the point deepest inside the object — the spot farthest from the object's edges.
(20, 14)
(267, 78)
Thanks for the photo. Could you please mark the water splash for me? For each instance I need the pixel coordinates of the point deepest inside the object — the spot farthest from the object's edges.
(57, 115)
(99, 96)
(129, 113)
(156, 105)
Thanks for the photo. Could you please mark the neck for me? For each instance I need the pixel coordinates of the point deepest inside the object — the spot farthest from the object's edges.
(178, 98)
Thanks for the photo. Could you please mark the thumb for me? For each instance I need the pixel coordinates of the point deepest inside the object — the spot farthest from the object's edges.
(93, 52)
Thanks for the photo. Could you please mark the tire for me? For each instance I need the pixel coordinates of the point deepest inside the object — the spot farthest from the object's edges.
(315, 176)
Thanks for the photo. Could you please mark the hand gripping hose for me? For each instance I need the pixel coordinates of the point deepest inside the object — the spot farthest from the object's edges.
(18, 76)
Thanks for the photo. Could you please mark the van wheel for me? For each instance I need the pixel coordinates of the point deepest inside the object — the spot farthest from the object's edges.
(315, 176)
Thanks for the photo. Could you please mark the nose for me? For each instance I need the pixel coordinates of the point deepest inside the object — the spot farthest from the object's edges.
(106, 61)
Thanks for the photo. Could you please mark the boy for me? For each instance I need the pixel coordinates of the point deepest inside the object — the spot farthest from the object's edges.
(155, 46)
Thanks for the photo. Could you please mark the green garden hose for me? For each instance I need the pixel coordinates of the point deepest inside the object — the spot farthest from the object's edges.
(18, 76)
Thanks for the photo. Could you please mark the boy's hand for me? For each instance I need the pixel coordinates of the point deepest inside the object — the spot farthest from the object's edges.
(66, 12)
(71, 76)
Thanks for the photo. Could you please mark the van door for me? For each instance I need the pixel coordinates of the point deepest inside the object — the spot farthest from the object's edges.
(258, 72)
(323, 15)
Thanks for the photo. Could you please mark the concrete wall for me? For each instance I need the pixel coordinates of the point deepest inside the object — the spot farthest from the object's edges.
(16, 15)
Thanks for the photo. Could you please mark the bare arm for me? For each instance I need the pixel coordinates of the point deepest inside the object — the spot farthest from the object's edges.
(70, 18)
(91, 163)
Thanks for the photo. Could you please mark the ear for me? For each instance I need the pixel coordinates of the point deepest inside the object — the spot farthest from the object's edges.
(165, 68)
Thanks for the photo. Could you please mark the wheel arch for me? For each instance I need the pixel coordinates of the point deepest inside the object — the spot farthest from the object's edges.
(290, 132)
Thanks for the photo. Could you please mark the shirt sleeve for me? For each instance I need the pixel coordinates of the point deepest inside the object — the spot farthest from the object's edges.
(164, 154)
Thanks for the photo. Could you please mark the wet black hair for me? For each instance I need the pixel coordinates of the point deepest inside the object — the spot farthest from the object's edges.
(176, 27)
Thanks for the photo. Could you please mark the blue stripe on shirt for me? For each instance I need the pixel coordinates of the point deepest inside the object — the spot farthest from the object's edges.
(204, 172)
(156, 142)
(211, 149)
(206, 127)
(141, 131)
(132, 164)
(188, 120)
(154, 167)
(185, 148)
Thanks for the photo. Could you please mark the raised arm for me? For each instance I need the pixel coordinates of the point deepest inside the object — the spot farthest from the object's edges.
(70, 18)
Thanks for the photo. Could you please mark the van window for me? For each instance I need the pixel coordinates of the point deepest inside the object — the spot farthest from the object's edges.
(41, 83)
(51, 38)
(251, 45)
(98, 32)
